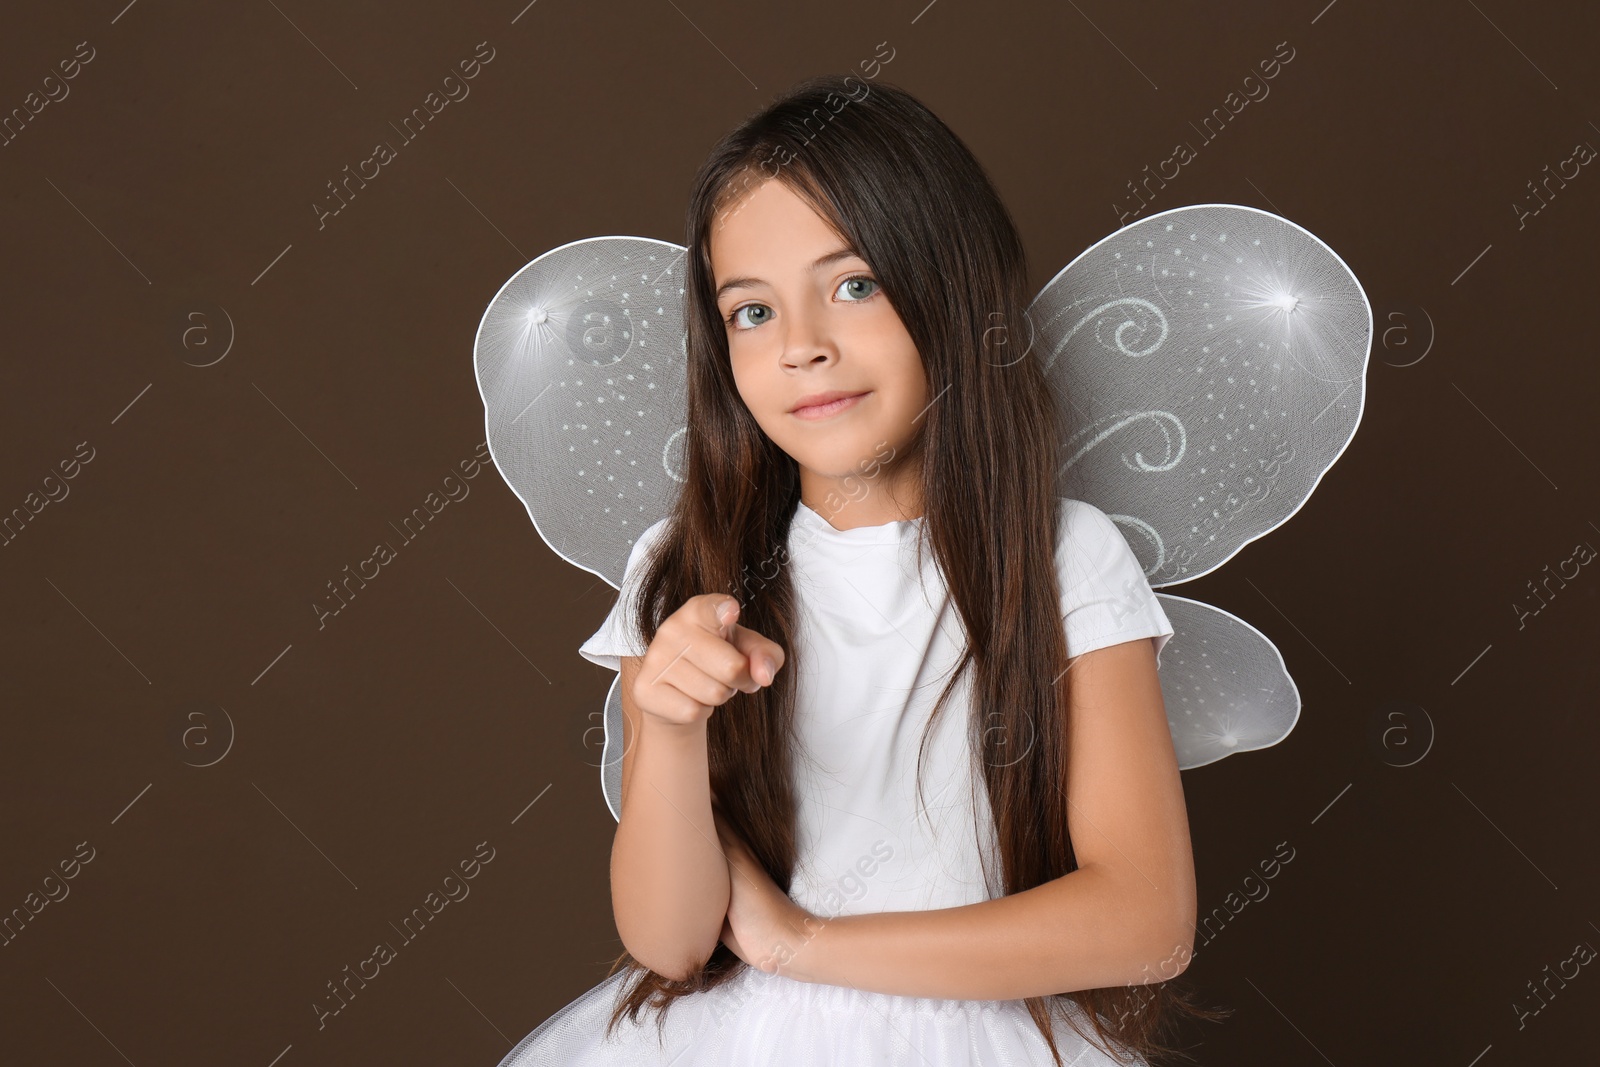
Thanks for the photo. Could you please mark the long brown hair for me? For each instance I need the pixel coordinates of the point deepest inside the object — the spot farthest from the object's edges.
(908, 196)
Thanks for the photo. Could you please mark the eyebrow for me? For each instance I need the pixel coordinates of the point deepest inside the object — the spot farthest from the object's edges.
(822, 261)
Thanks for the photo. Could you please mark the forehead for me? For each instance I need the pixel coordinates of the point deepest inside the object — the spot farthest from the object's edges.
(767, 229)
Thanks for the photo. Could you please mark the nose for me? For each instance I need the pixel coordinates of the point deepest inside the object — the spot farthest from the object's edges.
(806, 340)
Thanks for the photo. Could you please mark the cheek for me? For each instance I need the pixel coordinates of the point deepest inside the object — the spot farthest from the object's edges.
(738, 364)
(911, 398)
(755, 391)
(911, 381)
(886, 334)
(747, 385)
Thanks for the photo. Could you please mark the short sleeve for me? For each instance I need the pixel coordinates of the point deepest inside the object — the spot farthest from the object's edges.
(618, 635)
(1105, 597)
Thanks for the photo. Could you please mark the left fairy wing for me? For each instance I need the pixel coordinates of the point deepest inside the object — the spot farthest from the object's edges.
(1224, 684)
(1209, 363)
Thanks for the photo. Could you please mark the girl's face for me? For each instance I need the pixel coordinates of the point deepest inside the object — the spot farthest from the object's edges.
(806, 316)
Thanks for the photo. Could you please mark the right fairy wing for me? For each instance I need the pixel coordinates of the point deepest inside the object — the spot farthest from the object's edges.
(581, 364)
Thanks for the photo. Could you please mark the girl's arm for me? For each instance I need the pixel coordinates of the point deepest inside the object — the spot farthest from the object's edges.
(1125, 917)
(669, 880)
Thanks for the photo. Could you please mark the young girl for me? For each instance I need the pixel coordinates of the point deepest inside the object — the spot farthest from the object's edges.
(898, 783)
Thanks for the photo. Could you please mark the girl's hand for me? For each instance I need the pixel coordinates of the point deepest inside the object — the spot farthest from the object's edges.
(764, 927)
(700, 657)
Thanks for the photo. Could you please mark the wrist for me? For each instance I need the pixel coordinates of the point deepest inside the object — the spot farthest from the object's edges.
(679, 732)
(800, 952)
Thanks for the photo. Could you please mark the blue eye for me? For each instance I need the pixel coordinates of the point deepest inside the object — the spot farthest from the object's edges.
(859, 278)
(732, 319)
(733, 316)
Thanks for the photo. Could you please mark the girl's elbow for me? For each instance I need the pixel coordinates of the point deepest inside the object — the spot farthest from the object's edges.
(1168, 954)
(674, 959)
(675, 969)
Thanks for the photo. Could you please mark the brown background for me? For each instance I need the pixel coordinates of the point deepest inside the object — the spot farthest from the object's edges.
(161, 614)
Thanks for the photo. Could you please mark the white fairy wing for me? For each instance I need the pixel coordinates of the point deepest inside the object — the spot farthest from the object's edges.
(1224, 684)
(1210, 366)
(580, 361)
(1209, 363)
(1208, 360)
(611, 759)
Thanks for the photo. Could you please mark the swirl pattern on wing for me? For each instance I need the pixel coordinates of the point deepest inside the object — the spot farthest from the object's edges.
(1210, 362)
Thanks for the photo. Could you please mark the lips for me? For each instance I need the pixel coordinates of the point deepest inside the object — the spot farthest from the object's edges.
(818, 403)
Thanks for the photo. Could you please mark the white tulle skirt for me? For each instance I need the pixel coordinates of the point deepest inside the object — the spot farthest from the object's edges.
(757, 1018)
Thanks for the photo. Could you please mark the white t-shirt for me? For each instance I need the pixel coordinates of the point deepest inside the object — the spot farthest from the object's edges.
(877, 641)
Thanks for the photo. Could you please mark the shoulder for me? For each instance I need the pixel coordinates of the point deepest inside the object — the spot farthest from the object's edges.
(647, 538)
(1085, 534)
(1105, 596)
(1080, 515)
(640, 552)
(1094, 563)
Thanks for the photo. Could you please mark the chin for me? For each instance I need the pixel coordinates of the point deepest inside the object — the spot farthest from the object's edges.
(841, 457)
